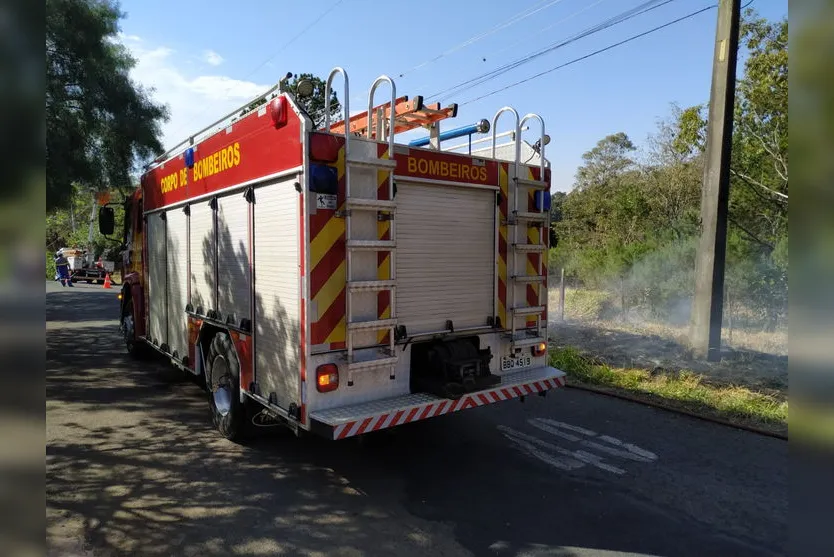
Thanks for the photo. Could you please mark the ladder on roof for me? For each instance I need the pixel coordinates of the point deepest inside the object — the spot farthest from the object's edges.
(522, 220)
(360, 359)
(407, 115)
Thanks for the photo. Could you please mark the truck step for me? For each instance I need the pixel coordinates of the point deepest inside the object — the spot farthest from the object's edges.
(371, 285)
(381, 164)
(530, 217)
(359, 203)
(529, 247)
(529, 278)
(534, 184)
(527, 341)
(531, 310)
(372, 245)
(371, 325)
(359, 365)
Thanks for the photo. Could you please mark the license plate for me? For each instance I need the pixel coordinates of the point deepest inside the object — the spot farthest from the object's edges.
(516, 363)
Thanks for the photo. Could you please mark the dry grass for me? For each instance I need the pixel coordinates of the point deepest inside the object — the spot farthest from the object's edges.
(775, 342)
(685, 389)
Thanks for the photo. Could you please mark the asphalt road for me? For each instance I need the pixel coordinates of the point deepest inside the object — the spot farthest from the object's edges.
(134, 468)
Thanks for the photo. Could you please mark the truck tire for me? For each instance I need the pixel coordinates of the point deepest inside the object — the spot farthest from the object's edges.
(135, 347)
(223, 383)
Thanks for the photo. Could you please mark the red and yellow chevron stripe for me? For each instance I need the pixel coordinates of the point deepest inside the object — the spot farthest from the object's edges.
(328, 265)
(383, 272)
(503, 182)
(535, 261)
(327, 270)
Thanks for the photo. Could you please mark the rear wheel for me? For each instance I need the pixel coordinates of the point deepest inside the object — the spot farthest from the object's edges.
(223, 382)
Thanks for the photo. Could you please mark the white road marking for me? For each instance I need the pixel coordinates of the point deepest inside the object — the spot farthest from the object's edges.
(539, 423)
(530, 448)
(633, 448)
(565, 459)
(573, 456)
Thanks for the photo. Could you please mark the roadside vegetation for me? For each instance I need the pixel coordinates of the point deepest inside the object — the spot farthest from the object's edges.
(627, 232)
(683, 390)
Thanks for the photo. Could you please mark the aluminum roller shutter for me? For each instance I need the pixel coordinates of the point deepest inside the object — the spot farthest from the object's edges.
(177, 256)
(445, 256)
(233, 284)
(277, 333)
(157, 271)
(202, 256)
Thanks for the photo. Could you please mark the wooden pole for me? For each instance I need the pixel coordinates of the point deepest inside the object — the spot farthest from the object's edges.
(707, 306)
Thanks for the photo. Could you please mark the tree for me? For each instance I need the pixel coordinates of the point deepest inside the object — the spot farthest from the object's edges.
(313, 105)
(603, 163)
(100, 123)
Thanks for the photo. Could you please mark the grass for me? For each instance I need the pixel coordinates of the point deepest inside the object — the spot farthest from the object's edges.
(684, 390)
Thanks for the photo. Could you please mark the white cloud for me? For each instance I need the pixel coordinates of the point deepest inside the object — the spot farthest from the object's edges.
(212, 58)
(193, 101)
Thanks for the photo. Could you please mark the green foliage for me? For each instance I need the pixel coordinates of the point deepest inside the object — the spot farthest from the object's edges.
(313, 104)
(99, 122)
(50, 266)
(631, 223)
(70, 227)
(684, 389)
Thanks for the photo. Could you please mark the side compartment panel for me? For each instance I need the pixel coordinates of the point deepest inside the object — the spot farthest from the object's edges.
(233, 257)
(202, 254)
(277, 325)
(157, 271)
(445, 256)
(177, 256)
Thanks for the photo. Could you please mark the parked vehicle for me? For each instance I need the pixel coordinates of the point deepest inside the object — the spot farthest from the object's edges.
(337, 281)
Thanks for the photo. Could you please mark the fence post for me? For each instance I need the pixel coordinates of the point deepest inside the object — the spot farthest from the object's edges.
(562, 296)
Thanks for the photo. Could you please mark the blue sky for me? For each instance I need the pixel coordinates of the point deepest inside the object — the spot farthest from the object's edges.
(206, 57)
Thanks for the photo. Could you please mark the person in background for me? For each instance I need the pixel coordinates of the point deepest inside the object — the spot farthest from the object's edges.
(62, 266)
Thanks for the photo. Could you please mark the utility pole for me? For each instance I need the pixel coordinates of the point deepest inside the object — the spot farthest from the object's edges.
(707, 306)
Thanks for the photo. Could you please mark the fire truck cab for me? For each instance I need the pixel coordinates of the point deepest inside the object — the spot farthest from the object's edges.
(334, 280)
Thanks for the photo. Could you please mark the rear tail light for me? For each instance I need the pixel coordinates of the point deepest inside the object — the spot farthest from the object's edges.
(327, 378)
(539, 349)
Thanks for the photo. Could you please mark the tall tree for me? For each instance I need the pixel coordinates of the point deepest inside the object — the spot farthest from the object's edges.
(99, 122)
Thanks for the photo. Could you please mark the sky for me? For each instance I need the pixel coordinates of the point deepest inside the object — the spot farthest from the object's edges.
(204, 58)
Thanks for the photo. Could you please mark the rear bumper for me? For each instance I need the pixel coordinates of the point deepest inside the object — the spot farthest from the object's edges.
(347, 421)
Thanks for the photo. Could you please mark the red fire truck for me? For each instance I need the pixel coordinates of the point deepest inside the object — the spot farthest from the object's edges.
(334, 280)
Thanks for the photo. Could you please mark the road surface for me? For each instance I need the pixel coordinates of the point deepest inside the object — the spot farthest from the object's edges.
(134, 467)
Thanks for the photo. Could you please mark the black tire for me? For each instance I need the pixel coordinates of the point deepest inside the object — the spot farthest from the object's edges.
(223, 383)
(137, 348)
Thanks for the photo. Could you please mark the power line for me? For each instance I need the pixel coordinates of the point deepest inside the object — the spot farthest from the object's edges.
(606, 24)
(514, 19)
(543, 29)
(601, 50)
(267, 61)
(523, 14)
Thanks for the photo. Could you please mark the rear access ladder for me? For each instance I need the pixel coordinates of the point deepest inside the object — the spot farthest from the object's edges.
(384, 209)
(519, 187)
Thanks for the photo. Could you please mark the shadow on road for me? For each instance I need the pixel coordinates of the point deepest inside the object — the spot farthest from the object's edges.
(134, 467)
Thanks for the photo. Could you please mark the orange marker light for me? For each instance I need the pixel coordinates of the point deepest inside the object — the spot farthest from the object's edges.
(539, 349)
(327, 378)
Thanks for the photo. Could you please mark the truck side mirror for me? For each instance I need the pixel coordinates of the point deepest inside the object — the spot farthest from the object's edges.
(106, 220)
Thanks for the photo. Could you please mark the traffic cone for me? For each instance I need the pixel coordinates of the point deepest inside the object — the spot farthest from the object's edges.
(107, 281)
